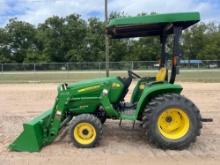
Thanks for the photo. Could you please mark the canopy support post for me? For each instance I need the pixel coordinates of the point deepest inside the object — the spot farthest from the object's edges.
(176, 53)
(163, 56)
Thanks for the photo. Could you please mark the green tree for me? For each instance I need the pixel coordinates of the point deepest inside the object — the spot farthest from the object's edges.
(95, 48)
(74, 38)
(145, 49)
(118, 49)
(50, 35)
(211, 49)
(194, 40)
(4, 46)
(21, 37)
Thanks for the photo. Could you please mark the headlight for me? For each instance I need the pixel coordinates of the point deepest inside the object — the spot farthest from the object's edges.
(105, 92)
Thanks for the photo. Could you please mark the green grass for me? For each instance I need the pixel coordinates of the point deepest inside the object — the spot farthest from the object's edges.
(60, 77)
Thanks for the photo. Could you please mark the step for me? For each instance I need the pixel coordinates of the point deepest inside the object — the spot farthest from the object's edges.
(128, 115)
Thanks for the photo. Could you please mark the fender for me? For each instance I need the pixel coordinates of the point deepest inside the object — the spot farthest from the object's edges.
(153, 89)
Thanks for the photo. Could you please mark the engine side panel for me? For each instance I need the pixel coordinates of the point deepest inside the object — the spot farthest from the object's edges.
(85, 95)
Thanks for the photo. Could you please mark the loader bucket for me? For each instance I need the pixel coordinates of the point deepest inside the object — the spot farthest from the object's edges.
(32, 139)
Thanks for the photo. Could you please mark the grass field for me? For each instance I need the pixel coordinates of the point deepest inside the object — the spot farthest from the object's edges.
(72, 76)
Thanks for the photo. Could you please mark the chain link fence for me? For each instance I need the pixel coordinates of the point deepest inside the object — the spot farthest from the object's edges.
(123, 65)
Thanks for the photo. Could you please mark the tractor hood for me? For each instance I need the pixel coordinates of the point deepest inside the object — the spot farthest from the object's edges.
(94, 88)
(88, 83)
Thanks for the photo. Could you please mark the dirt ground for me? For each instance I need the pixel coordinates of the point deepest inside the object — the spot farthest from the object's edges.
(21, 102)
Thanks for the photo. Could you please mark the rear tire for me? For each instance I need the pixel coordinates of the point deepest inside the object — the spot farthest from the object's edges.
(85, 131)
(171, 121)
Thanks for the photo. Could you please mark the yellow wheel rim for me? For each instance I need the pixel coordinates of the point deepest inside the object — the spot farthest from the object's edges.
(84, 133)
(173, 123)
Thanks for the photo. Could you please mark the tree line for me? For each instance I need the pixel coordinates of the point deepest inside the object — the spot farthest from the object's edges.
(73, 39)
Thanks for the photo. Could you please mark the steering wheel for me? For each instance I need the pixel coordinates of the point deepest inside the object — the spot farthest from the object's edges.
(133, 75)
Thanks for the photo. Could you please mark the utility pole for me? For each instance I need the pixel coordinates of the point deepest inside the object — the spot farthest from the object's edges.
(106, 41)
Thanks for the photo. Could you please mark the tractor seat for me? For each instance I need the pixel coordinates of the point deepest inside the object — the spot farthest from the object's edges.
(126, 82)
(162, 74)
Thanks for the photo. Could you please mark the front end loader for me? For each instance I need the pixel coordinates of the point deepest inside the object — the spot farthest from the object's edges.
(171, 120)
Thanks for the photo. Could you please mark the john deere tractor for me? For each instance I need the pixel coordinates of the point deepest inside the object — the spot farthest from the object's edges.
(170, 120)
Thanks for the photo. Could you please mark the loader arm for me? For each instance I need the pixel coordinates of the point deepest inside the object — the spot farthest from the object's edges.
(43, 129)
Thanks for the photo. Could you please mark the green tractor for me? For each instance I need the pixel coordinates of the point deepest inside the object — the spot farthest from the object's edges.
(171, 120)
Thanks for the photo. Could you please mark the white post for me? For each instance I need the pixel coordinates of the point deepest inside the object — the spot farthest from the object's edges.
(106, 40)
(99, 66)
(132, 65)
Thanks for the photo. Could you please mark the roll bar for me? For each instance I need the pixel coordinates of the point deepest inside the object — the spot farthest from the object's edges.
(177, 31)
(176, 53)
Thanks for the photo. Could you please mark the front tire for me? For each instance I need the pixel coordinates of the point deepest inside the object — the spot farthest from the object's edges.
(171, 121)
(85, 131)
(101, 115)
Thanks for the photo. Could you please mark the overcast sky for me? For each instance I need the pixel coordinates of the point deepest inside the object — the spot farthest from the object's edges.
(36, 11)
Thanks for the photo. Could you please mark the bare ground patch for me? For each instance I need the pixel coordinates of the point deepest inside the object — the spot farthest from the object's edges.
(21, 102)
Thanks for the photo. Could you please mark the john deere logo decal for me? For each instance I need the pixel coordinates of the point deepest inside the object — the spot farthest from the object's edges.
(89, 88)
